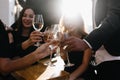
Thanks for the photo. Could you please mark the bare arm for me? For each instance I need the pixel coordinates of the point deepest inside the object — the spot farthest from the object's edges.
(81, 69)
(8, 65)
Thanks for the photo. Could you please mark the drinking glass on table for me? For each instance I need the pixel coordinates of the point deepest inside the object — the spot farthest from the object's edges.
(38, 24)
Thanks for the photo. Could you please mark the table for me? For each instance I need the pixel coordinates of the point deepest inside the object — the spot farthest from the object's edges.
(34, 71)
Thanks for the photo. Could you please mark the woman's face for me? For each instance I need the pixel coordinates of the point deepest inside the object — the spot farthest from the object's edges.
(28, 18)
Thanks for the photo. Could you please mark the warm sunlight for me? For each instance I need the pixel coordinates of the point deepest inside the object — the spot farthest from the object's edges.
(73, 7)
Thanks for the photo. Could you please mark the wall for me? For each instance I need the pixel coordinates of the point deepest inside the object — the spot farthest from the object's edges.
(7, 11)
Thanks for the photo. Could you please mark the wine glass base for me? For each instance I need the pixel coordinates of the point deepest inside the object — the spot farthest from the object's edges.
(37, 44)
(46, 63)
(49, 64)
(69, 65)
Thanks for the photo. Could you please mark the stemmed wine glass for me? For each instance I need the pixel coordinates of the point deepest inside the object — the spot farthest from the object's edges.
(38, 24)
(52, 34)
(69, 64)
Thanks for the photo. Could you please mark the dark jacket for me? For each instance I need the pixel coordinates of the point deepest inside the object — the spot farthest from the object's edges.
(107, 34)
(4, 41)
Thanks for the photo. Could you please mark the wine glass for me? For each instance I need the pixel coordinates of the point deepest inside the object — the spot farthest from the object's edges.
(38, 24)
(57, 36)
(69, 64)
(52, 34)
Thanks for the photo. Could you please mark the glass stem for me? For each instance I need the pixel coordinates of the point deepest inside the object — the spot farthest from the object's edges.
(50, 57)
(68, 61)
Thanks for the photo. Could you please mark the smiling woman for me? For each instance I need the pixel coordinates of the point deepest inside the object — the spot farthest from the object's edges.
(74, 7)
(22, 29)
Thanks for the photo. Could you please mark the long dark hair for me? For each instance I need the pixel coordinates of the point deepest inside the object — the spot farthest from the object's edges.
(17, 26)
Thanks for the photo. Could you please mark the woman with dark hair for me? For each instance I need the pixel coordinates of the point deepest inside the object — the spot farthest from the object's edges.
(22, 29)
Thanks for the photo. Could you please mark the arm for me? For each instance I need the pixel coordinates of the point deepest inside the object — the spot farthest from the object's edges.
(35, 36)
(75, 44)
(8, 65)
(110, 24)
(81, 69)
(109, 27)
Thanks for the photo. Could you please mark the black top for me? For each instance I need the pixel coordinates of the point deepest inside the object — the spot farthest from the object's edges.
(13, 49)
(75, 58)
(108, 32)
(5, 50)
(18, 39)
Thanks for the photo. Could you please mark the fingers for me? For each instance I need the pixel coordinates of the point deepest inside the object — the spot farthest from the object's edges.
(66, 41)
(69, 46)
(43, 48)
(36, 36)
(71, 42)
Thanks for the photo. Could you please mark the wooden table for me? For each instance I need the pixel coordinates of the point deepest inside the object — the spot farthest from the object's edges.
(34, 71)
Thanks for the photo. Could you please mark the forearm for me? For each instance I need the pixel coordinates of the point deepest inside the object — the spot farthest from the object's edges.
(83, 67)
(106, 30)
(9, 65)
(26, 44)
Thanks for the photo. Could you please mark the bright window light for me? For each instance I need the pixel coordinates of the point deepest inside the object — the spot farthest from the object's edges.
(84, 7)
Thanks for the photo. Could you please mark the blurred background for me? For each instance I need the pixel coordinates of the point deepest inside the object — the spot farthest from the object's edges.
(52, 10)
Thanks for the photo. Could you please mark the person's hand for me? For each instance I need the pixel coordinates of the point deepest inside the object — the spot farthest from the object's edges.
(75, 44)
(35, 36)
(44, 50)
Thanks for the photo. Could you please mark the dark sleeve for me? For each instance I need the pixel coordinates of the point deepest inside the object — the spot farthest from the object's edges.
(16, 49)
(4, 42)
(17, 44)
(109, 27)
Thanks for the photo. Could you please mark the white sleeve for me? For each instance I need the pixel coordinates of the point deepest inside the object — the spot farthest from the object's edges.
(87, 43)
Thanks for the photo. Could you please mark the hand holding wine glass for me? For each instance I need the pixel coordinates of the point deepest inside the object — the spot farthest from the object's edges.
(38, 24)
(52, 34)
